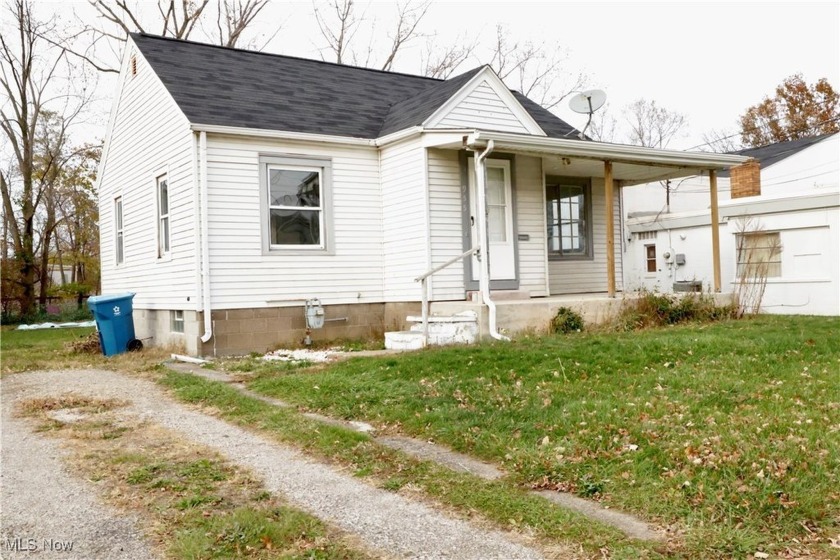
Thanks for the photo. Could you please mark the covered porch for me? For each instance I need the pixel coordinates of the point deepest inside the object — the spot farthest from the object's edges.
(551, 216)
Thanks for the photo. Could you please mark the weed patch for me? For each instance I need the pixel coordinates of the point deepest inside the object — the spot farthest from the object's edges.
(651, 310)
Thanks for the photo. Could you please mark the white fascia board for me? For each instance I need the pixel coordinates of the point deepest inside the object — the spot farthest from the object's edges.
(780, 205)
(281, 134)
(605, 151)
(494, 81)
(445, 137)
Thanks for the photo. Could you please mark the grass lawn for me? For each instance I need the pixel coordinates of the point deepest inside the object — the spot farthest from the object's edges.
(729, 433)
(50, 349)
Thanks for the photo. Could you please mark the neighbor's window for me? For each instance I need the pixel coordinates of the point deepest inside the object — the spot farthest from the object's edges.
(163, 215)
(568, 216)
(176, 321)
(118, 230)
(296, 212)
(759, 255)
(650, 257)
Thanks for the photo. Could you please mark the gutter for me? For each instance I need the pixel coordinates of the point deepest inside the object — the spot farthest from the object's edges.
(617, 153)
(484, 243)
(205, 237)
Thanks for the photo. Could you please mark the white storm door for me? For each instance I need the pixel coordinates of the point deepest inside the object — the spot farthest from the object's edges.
(499, 219)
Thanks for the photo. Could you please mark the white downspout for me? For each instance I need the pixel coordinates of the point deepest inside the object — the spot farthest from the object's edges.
(484, 243)
(205, 237)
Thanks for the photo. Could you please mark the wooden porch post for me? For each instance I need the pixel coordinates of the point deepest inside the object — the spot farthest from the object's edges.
(715, 229)
(608, 190)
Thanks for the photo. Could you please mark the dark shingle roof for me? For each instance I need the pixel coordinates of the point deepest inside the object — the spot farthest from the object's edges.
(230, 87)
(773, 153)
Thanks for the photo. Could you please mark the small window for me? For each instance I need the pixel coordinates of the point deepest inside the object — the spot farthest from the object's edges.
(296, 204)
(569, 218)
(118, 230)
(650, 257)
(163, 215)
(133, 65)
(176, 321)
(759, 255)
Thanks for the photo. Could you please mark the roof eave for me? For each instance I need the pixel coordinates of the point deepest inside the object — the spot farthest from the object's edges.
(606, 152)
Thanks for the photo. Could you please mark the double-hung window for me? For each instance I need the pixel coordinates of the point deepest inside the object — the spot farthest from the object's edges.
(296, 209)
(569, 218)
(118, 230)
(163, 215)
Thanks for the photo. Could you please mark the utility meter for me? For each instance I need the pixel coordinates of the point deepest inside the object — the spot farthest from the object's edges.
(314, 314)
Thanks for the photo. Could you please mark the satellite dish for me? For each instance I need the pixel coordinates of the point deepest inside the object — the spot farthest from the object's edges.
(586, 103)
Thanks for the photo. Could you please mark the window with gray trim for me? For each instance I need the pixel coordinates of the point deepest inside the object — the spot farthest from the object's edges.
(569, 218)
(295, 210)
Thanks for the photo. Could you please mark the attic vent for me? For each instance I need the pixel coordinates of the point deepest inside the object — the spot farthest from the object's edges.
(133, 65)
(646, 235)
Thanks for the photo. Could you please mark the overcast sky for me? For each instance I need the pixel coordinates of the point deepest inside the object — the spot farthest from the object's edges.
(707, 60)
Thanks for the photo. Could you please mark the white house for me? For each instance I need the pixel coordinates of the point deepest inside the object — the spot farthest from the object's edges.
(235, 186)
(785, 212)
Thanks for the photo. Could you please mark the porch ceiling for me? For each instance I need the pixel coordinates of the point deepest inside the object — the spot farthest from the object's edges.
(625, 173)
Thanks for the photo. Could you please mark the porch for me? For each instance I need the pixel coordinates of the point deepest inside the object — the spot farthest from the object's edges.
(539, 216)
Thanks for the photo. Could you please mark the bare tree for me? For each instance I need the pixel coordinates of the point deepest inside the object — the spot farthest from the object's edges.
(236, 17)
(651, 125)
(338, 33)
(604, 126)
(28, 72)
(181, 20)
(339, 23)
(758, 254)
(537, 70)
(441, 62)
(720, 141)
(409, 16)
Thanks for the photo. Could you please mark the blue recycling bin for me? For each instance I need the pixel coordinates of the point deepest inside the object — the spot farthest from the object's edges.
(114, 323)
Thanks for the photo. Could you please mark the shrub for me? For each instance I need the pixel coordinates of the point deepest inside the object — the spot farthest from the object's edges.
(566, 321)
(657, 310)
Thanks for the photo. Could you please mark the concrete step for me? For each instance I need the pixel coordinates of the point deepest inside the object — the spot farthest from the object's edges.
(462, 317)
(499, 295)
(403, 340)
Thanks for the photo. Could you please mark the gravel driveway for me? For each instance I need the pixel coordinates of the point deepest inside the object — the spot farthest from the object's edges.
(41, 500)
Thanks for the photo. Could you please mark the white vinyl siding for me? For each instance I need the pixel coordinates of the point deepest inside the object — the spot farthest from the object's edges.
(243, 276)
(530, 221)
(150, 134)
(590, 276)
(446, 219)
(446, 223)
(483, 108)
(404, 220)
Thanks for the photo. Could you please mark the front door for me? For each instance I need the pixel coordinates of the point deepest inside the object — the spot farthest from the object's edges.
(499, 219)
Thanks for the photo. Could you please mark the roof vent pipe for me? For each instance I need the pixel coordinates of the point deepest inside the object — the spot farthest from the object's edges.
(484, 255)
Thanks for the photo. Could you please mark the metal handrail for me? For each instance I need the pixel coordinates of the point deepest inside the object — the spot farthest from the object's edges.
(424, 287)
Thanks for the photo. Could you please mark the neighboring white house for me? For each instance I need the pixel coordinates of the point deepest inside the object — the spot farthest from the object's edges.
(788, 216)
(235, 186)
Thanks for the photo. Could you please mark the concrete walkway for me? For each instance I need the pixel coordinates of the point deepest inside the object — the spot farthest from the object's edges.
(384, 521)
